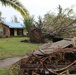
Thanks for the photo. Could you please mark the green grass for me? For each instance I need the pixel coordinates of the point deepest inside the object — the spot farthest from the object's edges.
(12, 47)
(12, 70)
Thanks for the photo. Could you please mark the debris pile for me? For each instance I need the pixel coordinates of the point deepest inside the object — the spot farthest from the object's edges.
(52, 60)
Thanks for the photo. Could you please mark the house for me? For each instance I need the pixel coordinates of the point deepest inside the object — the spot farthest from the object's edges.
(8, 29)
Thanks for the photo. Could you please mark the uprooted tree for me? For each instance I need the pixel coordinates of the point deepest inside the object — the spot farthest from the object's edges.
(52, 25)
(34, 33)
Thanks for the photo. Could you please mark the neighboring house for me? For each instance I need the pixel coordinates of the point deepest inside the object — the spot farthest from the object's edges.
(8, 29)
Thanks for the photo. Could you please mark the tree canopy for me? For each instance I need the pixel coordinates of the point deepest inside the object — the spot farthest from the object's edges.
(61, 23)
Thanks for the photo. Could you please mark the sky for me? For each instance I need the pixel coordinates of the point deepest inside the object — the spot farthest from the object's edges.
(36, 8)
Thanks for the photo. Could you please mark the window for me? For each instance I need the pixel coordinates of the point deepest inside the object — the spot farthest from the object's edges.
(4, 31)
(1, 31)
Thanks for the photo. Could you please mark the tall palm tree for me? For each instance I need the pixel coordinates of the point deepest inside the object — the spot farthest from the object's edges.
(16, 5)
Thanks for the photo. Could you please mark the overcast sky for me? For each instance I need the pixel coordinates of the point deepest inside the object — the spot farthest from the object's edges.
(36, 7)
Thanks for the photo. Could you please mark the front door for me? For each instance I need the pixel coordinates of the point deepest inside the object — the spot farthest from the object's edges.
(11, 32)
(20, 32)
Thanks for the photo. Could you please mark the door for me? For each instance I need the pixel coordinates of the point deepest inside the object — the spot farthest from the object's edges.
(20, 32)
(11, 31)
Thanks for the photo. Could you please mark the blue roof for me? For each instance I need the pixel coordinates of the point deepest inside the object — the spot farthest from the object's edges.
(14, 24)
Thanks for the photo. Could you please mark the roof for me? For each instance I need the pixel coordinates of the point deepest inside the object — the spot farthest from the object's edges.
(14, 24)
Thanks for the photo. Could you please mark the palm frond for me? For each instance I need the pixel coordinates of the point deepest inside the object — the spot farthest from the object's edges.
(16, 5)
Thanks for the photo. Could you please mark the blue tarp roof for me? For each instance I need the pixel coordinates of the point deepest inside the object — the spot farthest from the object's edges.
(14, 24)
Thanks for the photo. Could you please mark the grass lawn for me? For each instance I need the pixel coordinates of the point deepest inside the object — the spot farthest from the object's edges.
(12, 47)
(11, 70)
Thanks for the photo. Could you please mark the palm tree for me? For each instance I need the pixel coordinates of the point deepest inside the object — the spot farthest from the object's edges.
(16, 5)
